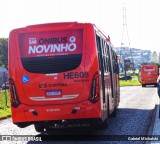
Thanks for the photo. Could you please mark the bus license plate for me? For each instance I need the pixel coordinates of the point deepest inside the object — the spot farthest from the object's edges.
(53, 92)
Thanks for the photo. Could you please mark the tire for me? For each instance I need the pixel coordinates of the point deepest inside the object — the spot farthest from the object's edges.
(114, 113)
(39, 127)
(158, 91)
(143, 85)
(104, 124)
(22, 125)
(155, 85)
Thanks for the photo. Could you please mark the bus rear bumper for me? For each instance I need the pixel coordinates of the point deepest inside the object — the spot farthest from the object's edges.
(31, 114)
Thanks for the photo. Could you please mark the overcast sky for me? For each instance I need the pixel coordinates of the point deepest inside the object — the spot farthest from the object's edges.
(142, 17)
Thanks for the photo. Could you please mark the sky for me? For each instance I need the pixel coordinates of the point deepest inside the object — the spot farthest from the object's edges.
(142, 16)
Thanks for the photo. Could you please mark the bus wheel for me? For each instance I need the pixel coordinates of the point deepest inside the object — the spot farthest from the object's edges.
(155, 85)
(143, 85)
(104, 124)
(39, 127)
(23, 125)
(114, 113)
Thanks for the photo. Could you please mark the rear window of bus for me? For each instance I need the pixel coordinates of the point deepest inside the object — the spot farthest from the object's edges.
(51, 51)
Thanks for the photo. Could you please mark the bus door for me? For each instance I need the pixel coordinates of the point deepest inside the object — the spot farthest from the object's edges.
(114, 78)
(102, 62)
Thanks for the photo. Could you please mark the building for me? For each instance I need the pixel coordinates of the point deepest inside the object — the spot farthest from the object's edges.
(138, 56)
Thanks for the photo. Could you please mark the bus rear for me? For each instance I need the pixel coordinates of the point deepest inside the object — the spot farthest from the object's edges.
(148, 75)
(53, 73)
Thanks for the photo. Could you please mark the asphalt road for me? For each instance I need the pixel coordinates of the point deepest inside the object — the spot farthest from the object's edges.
(133, 120)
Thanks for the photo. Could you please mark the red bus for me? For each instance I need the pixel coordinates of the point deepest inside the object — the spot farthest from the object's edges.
(62, 72)
(148, 75)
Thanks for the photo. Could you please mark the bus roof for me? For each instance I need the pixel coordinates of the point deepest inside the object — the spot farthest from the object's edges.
(50, 25)
(61, 25)
(149, 65)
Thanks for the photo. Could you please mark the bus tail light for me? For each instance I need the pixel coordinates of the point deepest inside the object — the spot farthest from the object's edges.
(95, 89)
(13, 92)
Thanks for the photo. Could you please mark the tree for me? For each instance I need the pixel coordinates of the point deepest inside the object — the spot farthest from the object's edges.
(154, 57)
(4, 52)
(127, 64)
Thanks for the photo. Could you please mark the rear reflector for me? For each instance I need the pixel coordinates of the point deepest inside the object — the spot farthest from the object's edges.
(13, 93)
(95, 89)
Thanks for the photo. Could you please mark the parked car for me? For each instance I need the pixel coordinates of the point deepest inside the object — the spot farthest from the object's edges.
(5, 86)
(127, 78)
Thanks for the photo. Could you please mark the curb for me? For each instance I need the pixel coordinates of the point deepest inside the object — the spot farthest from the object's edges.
(150, 131)
(152, 123)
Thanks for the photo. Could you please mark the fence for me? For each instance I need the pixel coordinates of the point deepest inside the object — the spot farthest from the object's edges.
(4, 95)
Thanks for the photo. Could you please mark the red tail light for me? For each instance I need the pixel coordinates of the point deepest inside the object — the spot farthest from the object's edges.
(13, 93)
(95, 89)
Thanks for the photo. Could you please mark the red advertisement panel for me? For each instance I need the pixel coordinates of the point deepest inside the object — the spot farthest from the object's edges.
(51, 43)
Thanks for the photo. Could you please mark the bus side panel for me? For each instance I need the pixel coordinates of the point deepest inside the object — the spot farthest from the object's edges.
(91, 62)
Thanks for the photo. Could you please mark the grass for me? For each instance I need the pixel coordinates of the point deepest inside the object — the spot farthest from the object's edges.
(4, 107)
(133, 82)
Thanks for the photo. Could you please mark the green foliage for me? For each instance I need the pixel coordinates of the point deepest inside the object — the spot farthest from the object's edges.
(154, 57)
(5, 110)
(4, 52)
(133, 82)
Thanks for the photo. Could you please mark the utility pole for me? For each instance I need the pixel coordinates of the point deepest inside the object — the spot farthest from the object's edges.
(125, 42)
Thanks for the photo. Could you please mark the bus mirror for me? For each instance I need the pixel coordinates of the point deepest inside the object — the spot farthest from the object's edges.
(108, 39)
